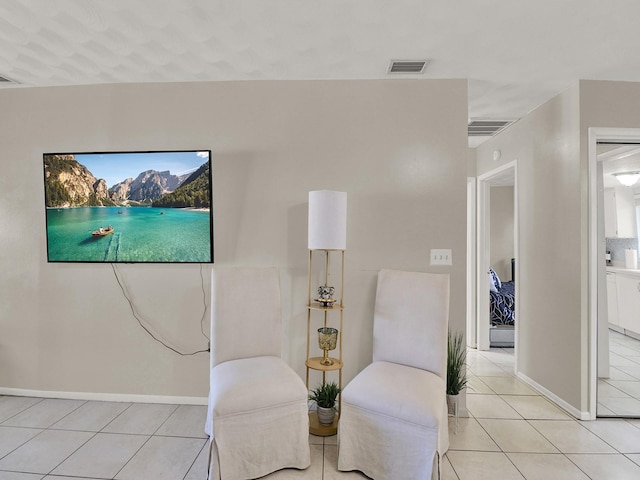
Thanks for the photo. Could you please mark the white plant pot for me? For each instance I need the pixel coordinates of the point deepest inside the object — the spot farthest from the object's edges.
(326, 415)
(453, 404)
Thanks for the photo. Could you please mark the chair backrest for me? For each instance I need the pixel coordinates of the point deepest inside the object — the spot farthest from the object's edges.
(411, 319)
(246, 316)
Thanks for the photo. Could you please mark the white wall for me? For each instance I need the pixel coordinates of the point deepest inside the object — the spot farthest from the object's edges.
(551, 147)
(501, 231)
(398, 148)
(612, 105)
(551, 192)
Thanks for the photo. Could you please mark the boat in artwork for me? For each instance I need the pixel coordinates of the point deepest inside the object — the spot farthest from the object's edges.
(102, 231)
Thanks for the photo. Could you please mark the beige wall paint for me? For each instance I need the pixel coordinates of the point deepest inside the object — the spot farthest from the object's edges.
(398, 148)
(471, 162)
(609, 105)
(545, 145)
(551, 147)
(501, 218)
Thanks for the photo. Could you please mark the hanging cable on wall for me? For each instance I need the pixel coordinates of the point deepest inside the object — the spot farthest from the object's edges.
(144, 324)
(204, 309)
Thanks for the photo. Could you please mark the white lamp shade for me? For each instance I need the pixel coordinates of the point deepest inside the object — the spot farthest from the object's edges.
(327, 220)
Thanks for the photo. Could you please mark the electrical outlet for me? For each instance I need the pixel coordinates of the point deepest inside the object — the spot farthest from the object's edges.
(441, 256)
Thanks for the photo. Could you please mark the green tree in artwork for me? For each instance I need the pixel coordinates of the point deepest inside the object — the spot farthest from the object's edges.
(56, 194)
(194, 192)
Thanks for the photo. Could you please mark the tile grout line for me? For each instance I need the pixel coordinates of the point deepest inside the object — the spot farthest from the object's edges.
(134, 456)
(25, 442)
(570, 418)
(632, 460)
(116, 417)
(496, 443)
(101, 431)
(566, 455)
(42, 431)
(21, 411)
(146, 442)
(619, 340)
(601, 438)
(79, 446)
(175, 409)
(66, 415)
(452, 467)
(195, 460)
(72, 453)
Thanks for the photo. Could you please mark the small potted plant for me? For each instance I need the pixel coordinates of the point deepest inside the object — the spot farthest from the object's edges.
(456, 372)
(325, 398)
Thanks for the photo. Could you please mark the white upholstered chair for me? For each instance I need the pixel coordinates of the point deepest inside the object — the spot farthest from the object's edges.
(393, 424)
(257, 416)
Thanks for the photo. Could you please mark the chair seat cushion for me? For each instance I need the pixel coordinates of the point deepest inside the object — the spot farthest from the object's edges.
(251, 384)
(405, 393)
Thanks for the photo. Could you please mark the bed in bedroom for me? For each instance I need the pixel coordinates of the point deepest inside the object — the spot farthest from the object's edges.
(502, 310)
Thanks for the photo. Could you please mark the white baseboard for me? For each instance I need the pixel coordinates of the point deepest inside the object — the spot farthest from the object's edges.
(105, 397)
(555, 399)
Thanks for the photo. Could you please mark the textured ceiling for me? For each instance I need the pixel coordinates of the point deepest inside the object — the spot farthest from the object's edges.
(515, 54)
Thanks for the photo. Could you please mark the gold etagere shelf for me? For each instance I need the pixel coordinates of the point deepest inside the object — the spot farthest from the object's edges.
(325, 363)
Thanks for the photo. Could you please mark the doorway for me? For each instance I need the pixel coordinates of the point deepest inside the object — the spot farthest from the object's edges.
(504, 177)
(614, 279)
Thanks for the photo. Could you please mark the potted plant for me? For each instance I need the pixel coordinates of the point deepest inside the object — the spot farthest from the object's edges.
(325, 398)
(456, 372)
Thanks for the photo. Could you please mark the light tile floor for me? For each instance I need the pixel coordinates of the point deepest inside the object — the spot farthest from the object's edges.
(64, 439)
(620, 393)
(515, 433)
(512, 433)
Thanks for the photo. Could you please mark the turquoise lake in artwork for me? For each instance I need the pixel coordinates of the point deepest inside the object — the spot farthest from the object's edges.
(140, 234)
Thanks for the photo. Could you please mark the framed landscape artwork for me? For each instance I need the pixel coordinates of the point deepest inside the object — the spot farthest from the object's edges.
(129, 207)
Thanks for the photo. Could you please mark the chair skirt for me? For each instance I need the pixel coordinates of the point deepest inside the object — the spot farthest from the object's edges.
(258, 419)
(393, 424)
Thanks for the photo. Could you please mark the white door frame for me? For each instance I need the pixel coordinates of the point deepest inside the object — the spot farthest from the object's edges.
(630, 135)
(484, 252)
(472, 336)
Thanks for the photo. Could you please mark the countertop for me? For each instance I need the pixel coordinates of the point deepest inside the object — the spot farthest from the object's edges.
(628, 271)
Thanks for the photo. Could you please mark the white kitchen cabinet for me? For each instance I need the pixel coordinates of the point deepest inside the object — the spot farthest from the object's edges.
(612, 300)
(619, 213)
(628, 296)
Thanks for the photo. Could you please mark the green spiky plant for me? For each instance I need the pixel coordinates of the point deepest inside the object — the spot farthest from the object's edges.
(456, 361)
(325, 395)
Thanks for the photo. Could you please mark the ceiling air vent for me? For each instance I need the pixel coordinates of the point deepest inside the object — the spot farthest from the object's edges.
(486, 128)
(6, 80)
(407, 66)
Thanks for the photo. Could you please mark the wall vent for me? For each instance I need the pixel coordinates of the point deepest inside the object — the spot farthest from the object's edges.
(486, 128)
(4, 80)
(407, 66)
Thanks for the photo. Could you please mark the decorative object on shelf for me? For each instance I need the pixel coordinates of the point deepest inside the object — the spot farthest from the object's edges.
(456, 373)
(327, 338)
(325, 397)
(326, 303)
(326, 295)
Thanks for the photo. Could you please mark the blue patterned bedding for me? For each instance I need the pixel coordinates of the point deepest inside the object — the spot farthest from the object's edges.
(503, 305)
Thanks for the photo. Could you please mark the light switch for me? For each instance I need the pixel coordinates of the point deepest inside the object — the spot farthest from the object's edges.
(440, 256)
